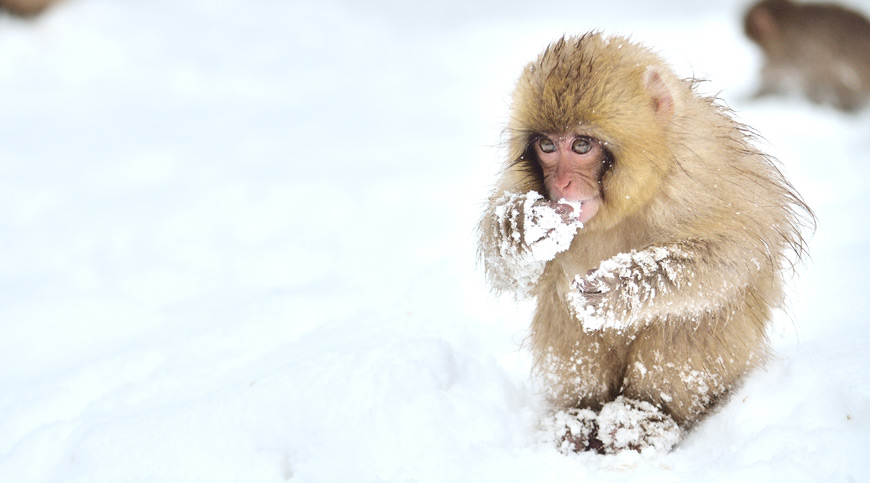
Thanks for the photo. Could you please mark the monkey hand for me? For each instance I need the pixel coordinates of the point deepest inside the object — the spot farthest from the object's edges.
(629, 288)
(536, 227)
(588, 299)
(595, 284)
(523, 231)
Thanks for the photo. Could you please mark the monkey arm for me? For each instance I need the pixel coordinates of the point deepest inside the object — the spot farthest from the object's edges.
(520, 232)
(682, 280)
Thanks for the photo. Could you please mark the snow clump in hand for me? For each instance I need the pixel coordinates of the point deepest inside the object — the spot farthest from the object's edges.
(546, 233)
(529, 233)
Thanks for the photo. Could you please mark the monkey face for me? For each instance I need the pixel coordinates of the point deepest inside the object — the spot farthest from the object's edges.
(572, 165)
(589, 91)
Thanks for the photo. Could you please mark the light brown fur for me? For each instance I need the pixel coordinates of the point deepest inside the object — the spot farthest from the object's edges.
(690, 185)
(25, 8)
(819, 50)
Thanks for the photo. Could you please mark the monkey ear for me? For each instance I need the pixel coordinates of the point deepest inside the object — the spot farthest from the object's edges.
(661, 95)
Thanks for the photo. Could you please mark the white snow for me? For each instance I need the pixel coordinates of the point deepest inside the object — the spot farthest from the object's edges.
(546, 233)
(576, 206)
(237, 244)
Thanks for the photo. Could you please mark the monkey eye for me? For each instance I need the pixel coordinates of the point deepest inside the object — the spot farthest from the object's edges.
(547, 145)
(581, 146)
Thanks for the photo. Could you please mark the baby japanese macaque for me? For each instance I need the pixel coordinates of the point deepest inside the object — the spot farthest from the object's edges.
(653, 235)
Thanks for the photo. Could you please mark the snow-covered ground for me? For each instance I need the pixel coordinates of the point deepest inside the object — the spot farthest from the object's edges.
(236, 244)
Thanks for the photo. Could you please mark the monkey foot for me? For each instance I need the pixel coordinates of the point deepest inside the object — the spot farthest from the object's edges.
(628, 424)
(577, 431)
(621, 425)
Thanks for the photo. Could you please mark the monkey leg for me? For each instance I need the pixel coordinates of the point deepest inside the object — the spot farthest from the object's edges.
(685, 367)
(580, 369)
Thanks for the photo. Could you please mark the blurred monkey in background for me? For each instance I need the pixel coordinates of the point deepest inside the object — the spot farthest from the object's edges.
(25, 8)
(819, 50)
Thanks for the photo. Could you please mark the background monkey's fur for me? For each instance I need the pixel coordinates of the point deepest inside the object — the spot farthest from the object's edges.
(817, 49)
(25, 8)
(688, 247)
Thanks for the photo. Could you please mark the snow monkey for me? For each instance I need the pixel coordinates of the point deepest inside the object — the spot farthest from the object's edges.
(652, 233)
(819, 50)
(25, 8)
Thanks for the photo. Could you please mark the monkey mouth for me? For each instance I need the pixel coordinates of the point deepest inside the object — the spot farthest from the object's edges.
(576, 205)
(583, 209)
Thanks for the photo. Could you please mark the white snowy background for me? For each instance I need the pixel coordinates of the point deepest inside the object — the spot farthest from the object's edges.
(237, 244)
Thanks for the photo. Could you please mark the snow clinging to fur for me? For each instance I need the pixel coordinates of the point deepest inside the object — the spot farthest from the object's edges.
(638, 275)
(530, 233)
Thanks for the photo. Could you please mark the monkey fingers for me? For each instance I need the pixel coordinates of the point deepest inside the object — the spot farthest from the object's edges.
(593, 283)
(593, 288)
(593, 302)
